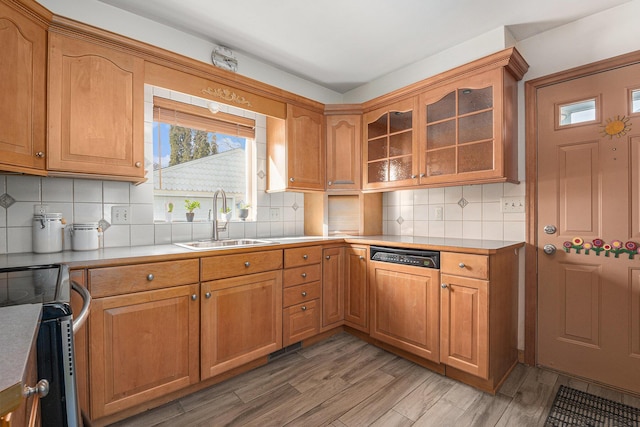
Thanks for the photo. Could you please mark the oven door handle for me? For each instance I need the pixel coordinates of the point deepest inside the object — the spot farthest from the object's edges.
(86, 302)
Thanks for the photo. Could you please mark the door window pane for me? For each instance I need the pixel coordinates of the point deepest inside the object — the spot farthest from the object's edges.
(635, 101)
(470, 100)
(577, 112)
(443, 109)
(399, 121)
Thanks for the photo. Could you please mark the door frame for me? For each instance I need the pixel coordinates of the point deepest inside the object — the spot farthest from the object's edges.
(531, 195)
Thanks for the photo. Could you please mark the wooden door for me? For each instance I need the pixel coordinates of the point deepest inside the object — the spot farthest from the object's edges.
(96, 105)
(241, 320)
(142, 346)
(344, 151)
(333, 286)
(305, 149)
(464, 324)
(405, 308)
(23, 85)
(589, 191)
(356, 295)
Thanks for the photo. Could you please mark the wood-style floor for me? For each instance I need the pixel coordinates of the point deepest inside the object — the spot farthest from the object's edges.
(344, 381)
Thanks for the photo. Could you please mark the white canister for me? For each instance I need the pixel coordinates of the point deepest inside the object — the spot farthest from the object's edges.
(84, 237)
(48, 231)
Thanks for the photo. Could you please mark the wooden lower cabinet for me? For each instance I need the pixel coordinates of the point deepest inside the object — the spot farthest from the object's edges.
(241, 320)
(28, 413)
(142, 346)
(405, 311)
(356, 291)
(300, 322)
(333, 278)
(464, 340)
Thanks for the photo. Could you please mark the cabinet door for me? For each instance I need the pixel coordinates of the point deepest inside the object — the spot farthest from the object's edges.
(356, 289)
(142, 346)
(23, 88)
(405, 308)
(461, 130)
(305, 149)
(464, 322)
(96, 103)
(300, 322)
(389, 146)
(241, 320)
(343, 152)
(333, 286)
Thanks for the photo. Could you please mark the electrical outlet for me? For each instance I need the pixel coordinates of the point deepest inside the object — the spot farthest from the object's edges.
(512, 204)
(120, 215)
(40, 209)
(274, 214)
(437, 213)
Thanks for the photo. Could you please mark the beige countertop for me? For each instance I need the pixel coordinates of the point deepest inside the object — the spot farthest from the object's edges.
(19, 332)
(147, 253)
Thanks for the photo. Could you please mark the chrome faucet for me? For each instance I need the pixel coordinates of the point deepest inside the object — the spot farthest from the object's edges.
(215, 234)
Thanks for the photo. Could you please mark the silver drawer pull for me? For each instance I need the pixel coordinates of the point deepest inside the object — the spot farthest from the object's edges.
(207, 295)
(150, 277)
(461, 265)
(328, 257)
(443, 286)
(194, 297)
(305, 256)
(41, 389)
(304, 294)
(304, 274)
(361, 257)
(304, 308)
(247, 264)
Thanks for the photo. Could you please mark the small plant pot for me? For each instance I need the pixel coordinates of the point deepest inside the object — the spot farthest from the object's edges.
(243, 214)
(190, 216)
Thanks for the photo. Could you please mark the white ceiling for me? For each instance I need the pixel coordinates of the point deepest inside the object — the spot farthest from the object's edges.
(342, 44)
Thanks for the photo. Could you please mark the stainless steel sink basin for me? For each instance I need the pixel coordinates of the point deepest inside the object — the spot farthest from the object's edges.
(203, 245)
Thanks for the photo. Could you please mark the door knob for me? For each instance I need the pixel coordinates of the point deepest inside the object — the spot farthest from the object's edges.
(550, 229)
(549, 249)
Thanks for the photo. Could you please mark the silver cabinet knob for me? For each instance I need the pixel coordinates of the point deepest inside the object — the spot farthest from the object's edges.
(40, 154)
(329, 183)
(304, 274)
(361, 257)
(443, 286)
(422, 175)
(247, 263)
(207, 295)
(304, 308)
(414, 176)
(461, 265)
(549, 249)
(291, 179)
(304, 293)
(194, 297)
(41, 389)
(305, 256)
(138, 164)
(550, 229)
(328, 257)
(150, 277)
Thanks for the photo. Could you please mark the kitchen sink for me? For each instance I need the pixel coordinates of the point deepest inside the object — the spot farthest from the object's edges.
(202, 245)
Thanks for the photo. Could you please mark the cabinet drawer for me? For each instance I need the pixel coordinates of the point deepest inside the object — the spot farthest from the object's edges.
(302, 256)
(300, 322)
(465, 265)
(223, 266)
(126, 279)
(301, 293)
(304, 274)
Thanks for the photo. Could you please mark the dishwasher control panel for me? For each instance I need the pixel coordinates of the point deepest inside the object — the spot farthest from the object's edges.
(413, 257)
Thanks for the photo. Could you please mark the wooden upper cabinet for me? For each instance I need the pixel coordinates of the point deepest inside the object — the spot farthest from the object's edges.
(389, 146)
(344, 149)
(467, 130)
(296, 151)
(23, 86)
(96, 104)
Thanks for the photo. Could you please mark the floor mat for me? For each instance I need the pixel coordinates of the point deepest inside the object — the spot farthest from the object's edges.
(573, 407)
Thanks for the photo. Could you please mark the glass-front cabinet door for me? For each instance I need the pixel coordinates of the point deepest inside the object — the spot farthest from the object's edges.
(460, 130)
(390, 145)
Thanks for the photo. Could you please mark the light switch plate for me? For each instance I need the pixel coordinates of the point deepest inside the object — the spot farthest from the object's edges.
(512, 204)
(274, 214)
(120, 215)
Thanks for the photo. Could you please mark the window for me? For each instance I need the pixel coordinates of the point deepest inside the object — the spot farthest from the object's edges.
(195, 153)
(635, 101)
(578, 112)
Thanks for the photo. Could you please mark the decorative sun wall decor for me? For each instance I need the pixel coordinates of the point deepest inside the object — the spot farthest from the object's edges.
(616, 127)
(616, 247)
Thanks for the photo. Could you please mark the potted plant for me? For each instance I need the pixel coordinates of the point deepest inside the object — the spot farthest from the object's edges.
(190, 206)
(169, 213)
(243, 210)
(225, 214)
